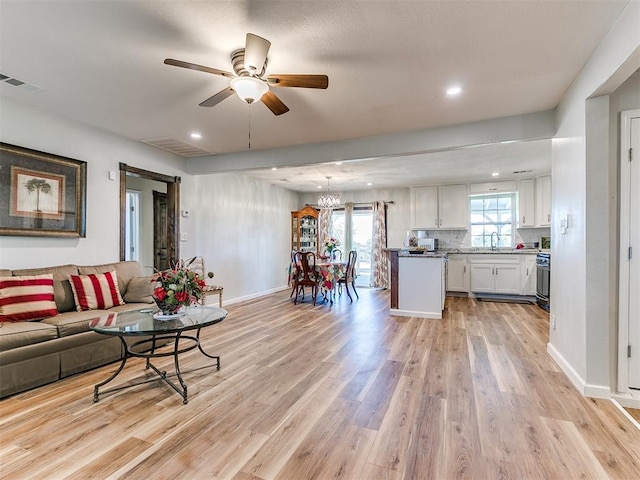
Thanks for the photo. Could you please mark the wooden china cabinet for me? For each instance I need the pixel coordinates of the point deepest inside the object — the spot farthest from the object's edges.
(304, 230)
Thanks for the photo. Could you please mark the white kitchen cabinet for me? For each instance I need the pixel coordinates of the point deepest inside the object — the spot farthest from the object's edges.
(495, 274)
(543, 201)
(528, 275)
(457, 274)
(444, 207)
(453, 206)
(492, 187)
(526, 203)
(424, 208)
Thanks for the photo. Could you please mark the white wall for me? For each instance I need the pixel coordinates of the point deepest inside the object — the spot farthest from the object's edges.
(242, 228)
(581, 342)
(31, 128)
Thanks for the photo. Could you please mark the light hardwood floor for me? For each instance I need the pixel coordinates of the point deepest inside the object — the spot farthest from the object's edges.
(342, 391)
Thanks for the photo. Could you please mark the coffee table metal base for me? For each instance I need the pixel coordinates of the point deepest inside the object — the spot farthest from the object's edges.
(130, 351)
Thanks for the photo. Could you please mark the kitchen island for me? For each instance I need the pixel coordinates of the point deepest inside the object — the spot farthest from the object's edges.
(417, 283)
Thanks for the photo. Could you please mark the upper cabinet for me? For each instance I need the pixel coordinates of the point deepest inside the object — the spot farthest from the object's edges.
(304, 230)
(444, 207)
(526, 203)
(543, 201)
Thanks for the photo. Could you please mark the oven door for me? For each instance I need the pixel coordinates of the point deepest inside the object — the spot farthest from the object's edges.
(543, 274)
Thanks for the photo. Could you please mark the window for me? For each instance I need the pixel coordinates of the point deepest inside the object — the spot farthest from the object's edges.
(492, 214)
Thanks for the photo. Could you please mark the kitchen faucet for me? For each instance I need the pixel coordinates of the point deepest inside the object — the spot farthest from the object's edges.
(494, 246)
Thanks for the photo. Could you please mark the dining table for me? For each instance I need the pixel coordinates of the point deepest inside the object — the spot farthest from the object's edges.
(330, 272)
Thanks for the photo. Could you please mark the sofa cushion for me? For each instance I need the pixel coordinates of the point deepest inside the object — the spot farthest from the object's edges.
(18, 334)
(71, 323)
(61, 286)
(96, 291)
(139, 290)
(26, 298)
(124, 270)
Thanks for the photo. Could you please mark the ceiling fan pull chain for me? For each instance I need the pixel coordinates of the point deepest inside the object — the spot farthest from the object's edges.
(249, 105)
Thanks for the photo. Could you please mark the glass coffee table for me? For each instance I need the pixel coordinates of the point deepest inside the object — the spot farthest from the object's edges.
(158, 333)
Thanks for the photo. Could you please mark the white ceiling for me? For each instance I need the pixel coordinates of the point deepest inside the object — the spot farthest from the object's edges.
(100, 62)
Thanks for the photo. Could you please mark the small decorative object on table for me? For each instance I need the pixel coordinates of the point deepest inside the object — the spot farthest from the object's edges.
(176, 287)
(330, 244)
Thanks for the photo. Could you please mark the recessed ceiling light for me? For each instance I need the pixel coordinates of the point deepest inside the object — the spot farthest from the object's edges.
(196, 135)
(319, 187)
(369, 184)
(274, 168)
(452, 91)
(495, 174)
(338, 163)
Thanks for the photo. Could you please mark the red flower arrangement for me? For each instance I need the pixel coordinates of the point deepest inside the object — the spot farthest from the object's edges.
(177, 287)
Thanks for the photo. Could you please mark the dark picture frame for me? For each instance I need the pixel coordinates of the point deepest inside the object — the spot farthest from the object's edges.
(41, 194)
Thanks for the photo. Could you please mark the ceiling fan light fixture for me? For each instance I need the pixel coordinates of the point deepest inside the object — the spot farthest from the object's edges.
(249, 89)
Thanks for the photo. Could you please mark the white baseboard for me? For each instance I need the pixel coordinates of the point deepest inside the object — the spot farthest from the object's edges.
(588, 390)
(251, 296)
(628, 400)
(410, 313)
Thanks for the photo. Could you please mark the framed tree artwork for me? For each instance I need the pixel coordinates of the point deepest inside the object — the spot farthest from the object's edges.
(41, 194)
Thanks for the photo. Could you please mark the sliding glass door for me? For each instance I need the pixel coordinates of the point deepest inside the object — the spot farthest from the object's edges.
(361, 239)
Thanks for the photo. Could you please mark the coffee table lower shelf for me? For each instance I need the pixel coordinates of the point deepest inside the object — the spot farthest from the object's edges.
(130, 351)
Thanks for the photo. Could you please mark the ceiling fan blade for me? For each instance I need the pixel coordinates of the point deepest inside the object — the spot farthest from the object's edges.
(303, 81)
(201, 68)
(255, 53)
(274, 104)
(217, 98)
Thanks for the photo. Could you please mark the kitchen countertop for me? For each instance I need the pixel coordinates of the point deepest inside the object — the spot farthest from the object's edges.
(403, 252)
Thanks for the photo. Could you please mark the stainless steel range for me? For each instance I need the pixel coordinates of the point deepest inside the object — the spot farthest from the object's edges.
(543, 272)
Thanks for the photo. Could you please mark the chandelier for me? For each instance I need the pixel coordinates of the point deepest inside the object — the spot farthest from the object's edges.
(329, 200)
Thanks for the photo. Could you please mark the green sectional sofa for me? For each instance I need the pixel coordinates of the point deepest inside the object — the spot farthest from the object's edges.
(34, 353)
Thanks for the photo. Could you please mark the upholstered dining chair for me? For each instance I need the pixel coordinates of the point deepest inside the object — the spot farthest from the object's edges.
(307, 275)
(349, 276)
(197, 264)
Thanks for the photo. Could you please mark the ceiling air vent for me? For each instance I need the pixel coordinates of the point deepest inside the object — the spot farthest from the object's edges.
(179, 148)
(523, 171)
(19, 83)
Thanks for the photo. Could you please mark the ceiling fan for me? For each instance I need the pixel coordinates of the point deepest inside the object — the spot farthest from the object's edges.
(248, 81)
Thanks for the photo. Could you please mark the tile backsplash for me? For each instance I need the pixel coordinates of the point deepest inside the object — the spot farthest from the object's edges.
(462, 238)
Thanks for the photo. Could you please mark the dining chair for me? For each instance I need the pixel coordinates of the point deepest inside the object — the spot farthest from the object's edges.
(292, 270)
(307, 275)
(197, 264)
(349, 276)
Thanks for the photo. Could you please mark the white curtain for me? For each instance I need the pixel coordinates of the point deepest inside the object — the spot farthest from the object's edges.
(379, 264)
(348, 229)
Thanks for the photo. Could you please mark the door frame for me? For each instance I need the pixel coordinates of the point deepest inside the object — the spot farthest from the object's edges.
(624, 270)
(173, 207)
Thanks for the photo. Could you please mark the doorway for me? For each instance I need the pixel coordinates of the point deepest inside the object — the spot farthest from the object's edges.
(160, 260)
(132, 234)
(169, 228)
(361, 234)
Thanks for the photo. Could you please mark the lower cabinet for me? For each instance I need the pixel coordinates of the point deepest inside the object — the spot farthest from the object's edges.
(493, 275)
(457, 274)
(529, 277)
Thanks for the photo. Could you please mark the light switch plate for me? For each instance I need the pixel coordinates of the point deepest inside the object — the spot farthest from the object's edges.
(184, 237)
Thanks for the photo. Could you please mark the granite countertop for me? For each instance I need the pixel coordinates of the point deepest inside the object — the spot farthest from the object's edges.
(438, 254)
(499, 251)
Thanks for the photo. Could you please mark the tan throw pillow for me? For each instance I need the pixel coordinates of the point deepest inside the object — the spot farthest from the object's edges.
(140, 290)
(96, 291)
(26, 298)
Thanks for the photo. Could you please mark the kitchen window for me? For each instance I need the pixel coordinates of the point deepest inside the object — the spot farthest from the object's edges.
(492, 214)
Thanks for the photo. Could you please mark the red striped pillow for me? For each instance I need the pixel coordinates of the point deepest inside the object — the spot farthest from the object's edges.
(96, 291)
(27, 298)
